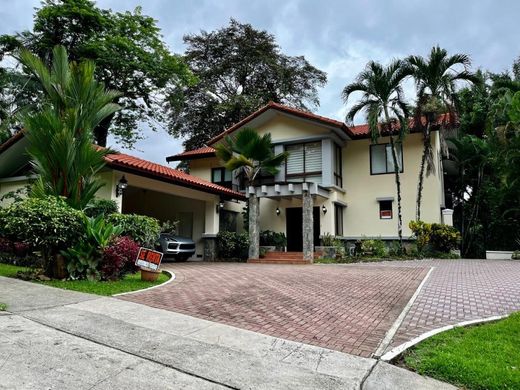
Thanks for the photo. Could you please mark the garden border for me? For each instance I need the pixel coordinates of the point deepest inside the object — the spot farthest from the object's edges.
(172, 278)
(394, 352)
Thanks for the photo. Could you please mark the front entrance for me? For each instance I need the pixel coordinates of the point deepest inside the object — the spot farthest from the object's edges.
(294, 227)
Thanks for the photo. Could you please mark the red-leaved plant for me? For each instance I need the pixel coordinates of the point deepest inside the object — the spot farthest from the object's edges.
(119, 259)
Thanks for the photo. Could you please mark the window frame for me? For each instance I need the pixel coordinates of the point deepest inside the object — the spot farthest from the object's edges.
(223, 183)
(386, 159)
(391, 202)
(338, 157)
(303, 174)
(338, 214)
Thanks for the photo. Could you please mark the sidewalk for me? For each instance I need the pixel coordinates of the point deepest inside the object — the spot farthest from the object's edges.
(59, 339)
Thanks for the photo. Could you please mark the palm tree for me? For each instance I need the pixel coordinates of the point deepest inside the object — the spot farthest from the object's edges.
(435, 78)
(61, 132)
(253, 155)
(383, 103)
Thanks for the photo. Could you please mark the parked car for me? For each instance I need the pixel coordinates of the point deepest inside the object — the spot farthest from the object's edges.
(175, 247)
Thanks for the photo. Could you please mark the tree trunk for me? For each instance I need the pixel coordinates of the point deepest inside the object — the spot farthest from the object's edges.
(254, 228)
(420, 182)
(398, 187)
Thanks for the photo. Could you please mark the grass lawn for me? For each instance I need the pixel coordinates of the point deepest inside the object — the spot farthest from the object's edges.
(484, 356)
(127, 284)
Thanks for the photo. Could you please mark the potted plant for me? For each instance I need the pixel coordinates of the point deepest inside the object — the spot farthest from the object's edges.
(327, 249)
(149, 275)
(271, 241)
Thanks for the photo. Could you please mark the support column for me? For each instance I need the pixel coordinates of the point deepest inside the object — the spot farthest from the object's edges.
(254, 228)
(308, 225)
(211, 228)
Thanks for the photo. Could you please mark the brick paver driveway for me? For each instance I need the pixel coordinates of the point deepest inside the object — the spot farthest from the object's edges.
(343, 307)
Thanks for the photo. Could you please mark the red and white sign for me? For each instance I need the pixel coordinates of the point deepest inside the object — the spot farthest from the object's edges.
(385, 214)
(148, 258)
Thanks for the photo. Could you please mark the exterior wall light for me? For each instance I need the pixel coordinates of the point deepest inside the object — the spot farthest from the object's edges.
(324, 209)
(121, 186)
(219, 206)
(277, 211)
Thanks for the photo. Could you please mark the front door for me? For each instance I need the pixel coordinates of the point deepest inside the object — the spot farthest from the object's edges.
(294, 228)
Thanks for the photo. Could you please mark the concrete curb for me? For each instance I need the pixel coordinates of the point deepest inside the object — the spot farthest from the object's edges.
(172, 278)
(390, 334)
(394, 352)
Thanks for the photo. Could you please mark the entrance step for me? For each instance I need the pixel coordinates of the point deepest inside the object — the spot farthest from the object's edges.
(282, 258)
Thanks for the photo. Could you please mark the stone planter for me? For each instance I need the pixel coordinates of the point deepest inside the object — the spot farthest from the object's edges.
(268, 248)
(148, 275)
(326, 252)
(499, 255)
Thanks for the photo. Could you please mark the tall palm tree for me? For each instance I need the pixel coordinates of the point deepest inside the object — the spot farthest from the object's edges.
(436, 77)
(383, 103)
(253, 155)
(61, 132)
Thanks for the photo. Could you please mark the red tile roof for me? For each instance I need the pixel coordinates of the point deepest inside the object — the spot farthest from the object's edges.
(142, 167)
(287, 110)
(206, 151)
(11, 141)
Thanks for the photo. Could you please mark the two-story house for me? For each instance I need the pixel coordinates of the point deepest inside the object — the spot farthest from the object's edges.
(349, 179)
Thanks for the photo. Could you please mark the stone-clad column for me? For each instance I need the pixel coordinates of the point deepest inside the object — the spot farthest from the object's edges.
(254, 228)
(308, 226)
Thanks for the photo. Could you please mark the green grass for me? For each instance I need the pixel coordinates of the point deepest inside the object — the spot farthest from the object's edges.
(127, 284)
(480, 357)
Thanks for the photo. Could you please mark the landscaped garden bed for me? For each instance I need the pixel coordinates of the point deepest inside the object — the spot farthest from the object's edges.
(479, 357)
(130, 282)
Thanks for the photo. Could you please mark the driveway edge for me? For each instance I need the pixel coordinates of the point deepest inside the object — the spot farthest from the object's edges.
(172, 278)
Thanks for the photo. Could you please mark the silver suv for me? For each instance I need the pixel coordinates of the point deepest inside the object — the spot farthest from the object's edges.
(175, 247)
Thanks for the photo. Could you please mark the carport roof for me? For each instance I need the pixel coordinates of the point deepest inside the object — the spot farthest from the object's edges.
(131, 164)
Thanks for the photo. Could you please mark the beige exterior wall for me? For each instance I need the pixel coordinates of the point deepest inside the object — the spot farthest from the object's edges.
(11, 184)
(362, 213)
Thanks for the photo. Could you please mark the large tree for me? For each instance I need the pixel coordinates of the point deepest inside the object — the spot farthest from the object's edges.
(382, 101)
(239, 69)
(436, 77)
(130, 56)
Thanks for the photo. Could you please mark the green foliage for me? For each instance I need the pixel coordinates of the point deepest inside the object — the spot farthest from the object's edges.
(83, 259)
(327, 239)
(47, 224)
(479, 357)
(129, 52)
(142, 229)
(516, 255)
(61, 132)
(270, 238)
(435, 237)
(170, 227)
(98, 207)
(16, 195)
(373, 247)
(239, 70)
(231, 245)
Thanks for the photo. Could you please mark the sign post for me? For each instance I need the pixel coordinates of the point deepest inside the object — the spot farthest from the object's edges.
(149, 261)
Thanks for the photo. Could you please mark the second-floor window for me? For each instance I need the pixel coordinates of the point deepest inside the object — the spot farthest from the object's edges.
(338, 166)
(222, 177)
(304, 162)
(381, 160)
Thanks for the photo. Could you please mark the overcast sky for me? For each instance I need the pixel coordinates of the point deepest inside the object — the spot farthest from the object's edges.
(337, 36)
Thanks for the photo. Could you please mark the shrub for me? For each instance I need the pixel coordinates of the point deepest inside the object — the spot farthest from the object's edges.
(375, 247)
(435, 237)
(270, 238)
(119, 258)
(47, 224)
(232, 245)
(327, 239)
(98, 207)
(142, 229)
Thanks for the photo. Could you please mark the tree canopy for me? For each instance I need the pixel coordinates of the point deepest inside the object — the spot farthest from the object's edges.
(239, 69)
(130, 56)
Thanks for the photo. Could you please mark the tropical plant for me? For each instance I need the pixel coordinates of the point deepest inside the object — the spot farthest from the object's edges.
(98, 207)
(232, 245)
(119, 259)
(252, 156)
(435, 78)
(270, 238)
(239, 70)
(386, 111)
(327, 239)
(61, 133)
(142, 229)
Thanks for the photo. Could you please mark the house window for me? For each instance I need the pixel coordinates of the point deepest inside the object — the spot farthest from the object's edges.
(304, 162)
(338, 219)
(222, 177)
(381, 160)
(338, 166)
(385, 209)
